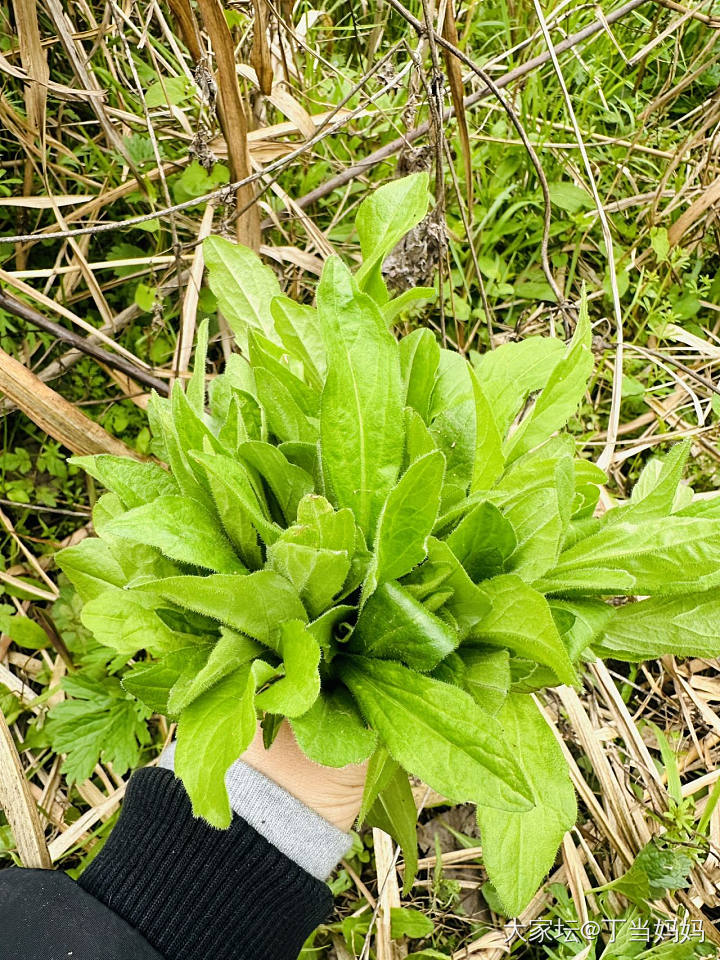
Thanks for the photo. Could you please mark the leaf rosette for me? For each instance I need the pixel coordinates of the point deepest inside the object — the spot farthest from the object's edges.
(390, 544)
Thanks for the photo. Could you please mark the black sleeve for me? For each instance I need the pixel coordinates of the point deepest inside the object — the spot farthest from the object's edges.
(45, 916)
(166, 884)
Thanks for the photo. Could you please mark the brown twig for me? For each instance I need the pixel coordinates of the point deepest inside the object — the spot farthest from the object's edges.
(19, 309)
(493, 87)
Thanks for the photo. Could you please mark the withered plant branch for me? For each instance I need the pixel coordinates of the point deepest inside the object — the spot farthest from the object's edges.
(350, 173)
(233, 119)
(19, 309)
(394, 146)
(516, 122)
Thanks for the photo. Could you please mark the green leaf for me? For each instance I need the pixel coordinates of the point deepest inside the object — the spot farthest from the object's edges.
(664, 557)
(561, 394)
(540, 517)
(383, 219)
(398, 305)
(99, 722)
(484, 541)
(438, 733)
(589, 618)
(182, 529)
(519, 848)
(453, 422)
(407, 519)
(236, 499)
(418, 439)
(22, 630)
(656, 493)
(381, 768)
(181, 430)
(486, 676)
(659, 867)
(394, 812)
(244, 287)
(127, 621)
(171, 90)
(255, 604)
(231, 651)
(419, 360)
(489, 460)
(134, 482)
(361, 416)
(468, 605)
(295, 692)
(212, 733)
(91, 567)
(269, 357)
(511, 372)
(286, 419)
(289, 483)
(332, 732)
(152, 682)
(569, 197)
(316, 573)
(406, 922)
(195, 390)
(685, 626)
(520, 619)
(393, 625)
(298, 327)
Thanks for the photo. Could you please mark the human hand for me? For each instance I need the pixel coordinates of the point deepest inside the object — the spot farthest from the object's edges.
(333, 792)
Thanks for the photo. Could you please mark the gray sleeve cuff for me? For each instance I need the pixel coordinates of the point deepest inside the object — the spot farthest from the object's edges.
(297, 831)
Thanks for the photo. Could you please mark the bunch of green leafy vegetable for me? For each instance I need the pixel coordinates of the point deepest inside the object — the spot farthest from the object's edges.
(388, 544)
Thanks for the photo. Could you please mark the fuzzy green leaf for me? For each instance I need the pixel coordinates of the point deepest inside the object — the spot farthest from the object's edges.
(560, 396)
(361, 417)
(511, 372)
(667, 556)
(91, 567)
(393, 625)
(243, 285)
(407, 519)
(298, 327)
(234, 493)
(316, 573)
(254, 604)
(134, 482)
(383, 219)
(520, 619)
(438, 733)
(127, 621)
(288, 482)
(297, 690)
(182, 529)
(686, 626)
(212, 733)
(332, 732)
(484, 541)
(486, 676)
(488, 458)
(394, 812)
(519, 848)
(419, 360)
(231, 651)
(468, 605)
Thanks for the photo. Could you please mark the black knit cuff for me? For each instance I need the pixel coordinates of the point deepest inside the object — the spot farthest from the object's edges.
(195, 892)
